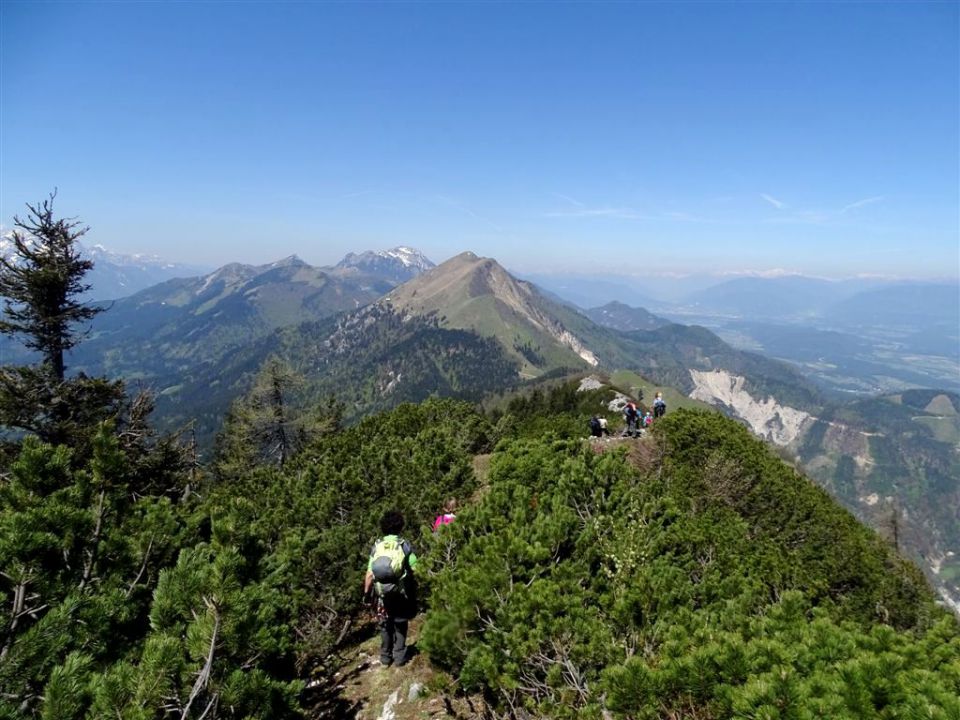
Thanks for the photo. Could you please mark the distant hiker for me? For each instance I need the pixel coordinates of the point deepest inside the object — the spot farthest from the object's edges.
(595, 427)
(603, 426)
(647, 420)
(632, 417)
(659, 406)
(448, 514)
(390, 575)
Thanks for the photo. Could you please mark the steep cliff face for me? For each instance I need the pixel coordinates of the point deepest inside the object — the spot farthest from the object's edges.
(776, 423)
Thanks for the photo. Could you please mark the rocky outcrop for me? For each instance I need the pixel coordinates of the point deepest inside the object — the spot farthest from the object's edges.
(776, 423)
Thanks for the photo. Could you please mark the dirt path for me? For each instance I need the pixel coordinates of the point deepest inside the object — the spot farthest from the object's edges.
(365, 690)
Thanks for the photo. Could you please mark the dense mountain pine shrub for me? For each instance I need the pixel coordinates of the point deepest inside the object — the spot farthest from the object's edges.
(692, 575)
(709, 582)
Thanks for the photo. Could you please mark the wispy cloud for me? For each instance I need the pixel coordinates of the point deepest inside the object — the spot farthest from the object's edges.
(578, 209)
(568, 199)
(359, 193)
(815, 217)
(779, 205)
(767, 273)
(861, 203)
(624, 213)
(451, 202)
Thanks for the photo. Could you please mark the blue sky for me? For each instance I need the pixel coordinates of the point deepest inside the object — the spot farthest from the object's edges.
(654, 137)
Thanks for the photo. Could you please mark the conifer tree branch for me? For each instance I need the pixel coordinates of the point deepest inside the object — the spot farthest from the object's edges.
(143, 567)
(93, 551)
(16, 612)
(204, 677)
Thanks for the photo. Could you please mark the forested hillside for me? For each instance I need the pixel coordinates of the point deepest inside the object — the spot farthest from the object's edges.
(689, 572)
(169, 333)
(894, 461)
(369, 360)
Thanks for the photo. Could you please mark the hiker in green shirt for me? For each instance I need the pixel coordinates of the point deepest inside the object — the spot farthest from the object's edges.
(390, 575)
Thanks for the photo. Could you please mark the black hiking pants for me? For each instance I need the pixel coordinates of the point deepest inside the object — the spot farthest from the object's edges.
(393, 640)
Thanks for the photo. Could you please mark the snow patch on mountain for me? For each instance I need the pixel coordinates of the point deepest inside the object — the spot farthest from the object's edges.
(394, 266)
(779, 424)
(98, 253)
(115, 275)
(408, 257)
(8, 248)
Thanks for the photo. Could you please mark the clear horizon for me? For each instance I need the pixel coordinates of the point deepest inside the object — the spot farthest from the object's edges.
(819, 139)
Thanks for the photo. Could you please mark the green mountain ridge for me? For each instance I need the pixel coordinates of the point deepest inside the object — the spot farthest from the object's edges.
(631, 576)
(370, 360)
(618, 316)
(467, 328)
(164, 334)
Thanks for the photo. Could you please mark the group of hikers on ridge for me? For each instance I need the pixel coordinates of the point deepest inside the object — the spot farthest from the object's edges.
(634, 422)
(391, 584)
(390, 581)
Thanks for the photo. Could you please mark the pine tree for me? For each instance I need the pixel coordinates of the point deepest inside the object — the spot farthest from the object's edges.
(81, 549)
(41, 284)
(268, 426)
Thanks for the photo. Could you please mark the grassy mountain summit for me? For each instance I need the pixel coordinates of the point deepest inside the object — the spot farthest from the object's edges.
(476, 293)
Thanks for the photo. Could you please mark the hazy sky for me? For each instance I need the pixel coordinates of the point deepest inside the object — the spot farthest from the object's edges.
(818, 137)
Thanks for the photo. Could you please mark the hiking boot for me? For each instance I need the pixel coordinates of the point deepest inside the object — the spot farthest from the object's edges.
(386, 662)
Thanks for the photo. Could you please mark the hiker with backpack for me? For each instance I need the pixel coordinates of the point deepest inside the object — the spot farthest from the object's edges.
(604, 430)
(632, 417)
(595, 429)
(390, 576)
(659, 406)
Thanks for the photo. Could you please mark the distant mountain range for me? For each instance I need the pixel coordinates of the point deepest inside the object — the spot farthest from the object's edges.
(588, 291)
(468, 328)
(115, 275)
(783, 298)
(619, 316)
(177, 326)
(860, 336)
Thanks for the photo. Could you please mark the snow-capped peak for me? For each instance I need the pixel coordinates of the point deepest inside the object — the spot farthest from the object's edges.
(115, 275)
(396, 265)
(8, 248)
(408, 256)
